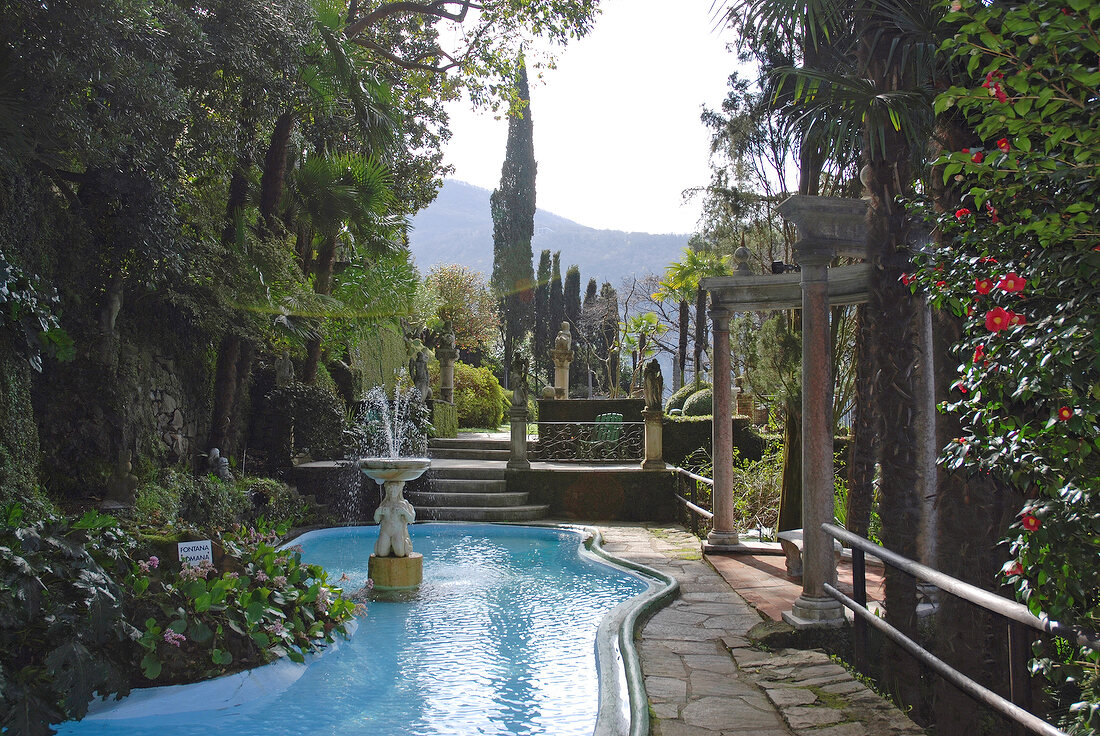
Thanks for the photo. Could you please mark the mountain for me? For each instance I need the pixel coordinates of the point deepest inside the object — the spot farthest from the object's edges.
(457, 228)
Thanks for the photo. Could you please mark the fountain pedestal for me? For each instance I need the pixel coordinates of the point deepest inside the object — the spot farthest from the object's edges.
(394, 564)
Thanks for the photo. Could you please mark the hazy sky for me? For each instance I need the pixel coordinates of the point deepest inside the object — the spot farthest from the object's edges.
(616, 125)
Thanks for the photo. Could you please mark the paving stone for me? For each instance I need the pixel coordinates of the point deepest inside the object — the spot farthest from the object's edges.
(846, 687)
(842, 729)
(679, 728)
(785, 697)
(665, 710)
(665, 688)
(711, 662)
(805, 716)
(728, 714)
(669, 665)
(678, 617)
(709, 683)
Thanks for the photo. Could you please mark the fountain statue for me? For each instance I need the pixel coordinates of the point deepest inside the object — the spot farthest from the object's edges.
(392, 431)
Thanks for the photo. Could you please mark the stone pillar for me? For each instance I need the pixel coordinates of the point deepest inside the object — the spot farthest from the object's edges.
(447, 357)
(518, 419)
(723, 536)
(927, 449)
(562, 353)
(654, 440)
(814, 608)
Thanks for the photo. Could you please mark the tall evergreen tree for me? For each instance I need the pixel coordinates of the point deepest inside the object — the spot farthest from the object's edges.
(572, 297)
(513, 210)
(557, 300)
(544, 327)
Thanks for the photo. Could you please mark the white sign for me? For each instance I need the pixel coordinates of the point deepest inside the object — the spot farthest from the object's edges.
(195, 552)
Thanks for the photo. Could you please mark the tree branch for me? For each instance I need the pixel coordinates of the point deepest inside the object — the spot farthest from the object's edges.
(436, 9)
(411, 64)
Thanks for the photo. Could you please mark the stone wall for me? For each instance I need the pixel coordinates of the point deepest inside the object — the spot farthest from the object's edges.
(599, 494)
(18, 433)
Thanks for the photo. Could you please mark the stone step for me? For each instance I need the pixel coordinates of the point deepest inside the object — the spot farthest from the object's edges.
(463, 471)
(475, 513)
(467, 443)
(467, 454)
(495, 500)
(466, 485)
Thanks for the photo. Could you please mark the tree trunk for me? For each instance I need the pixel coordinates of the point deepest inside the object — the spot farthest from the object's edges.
(790, 497)
(225, 390)
(700, 332)
(322, 284)
(685, 326)
(861, 453)
(274, 175)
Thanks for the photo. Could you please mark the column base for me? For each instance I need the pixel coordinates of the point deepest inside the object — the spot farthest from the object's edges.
(652, 464)
(717, 542)
(518, 465)
(815, 613)
(396, 573)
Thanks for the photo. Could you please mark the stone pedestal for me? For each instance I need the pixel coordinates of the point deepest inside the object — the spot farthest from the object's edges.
(562, 361)
(654, 443)
(389, 573)
(447, 358)
(517, 418)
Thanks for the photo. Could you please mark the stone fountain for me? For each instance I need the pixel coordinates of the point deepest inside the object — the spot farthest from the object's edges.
(393, 564)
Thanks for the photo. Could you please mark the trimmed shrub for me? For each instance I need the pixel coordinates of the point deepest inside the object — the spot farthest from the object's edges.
(699, 404)
(676, 401)
(478, 397)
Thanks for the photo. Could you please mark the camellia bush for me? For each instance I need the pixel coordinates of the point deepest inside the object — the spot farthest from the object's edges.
(1020, 263)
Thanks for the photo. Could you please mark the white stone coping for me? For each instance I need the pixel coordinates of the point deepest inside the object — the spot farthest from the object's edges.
(228, 691)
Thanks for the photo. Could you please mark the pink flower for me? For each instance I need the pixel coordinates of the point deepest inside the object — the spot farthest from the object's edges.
(1011, 282)
(171, 637)
(1030, 522)
(996, 319)
(279, 581)
(261, 576)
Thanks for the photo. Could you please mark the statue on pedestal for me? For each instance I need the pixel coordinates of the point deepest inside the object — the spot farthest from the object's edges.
(418, 369)
(653, 386)
(518, 380)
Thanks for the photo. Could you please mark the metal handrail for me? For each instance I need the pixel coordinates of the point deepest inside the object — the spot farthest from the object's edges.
(1011, 610)
(1014, 612)
(695, 510)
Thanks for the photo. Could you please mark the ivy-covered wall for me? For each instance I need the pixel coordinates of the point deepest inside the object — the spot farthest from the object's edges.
(18, 433)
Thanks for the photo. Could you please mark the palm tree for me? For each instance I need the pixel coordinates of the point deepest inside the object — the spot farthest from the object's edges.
(345, 198)
(683, 277)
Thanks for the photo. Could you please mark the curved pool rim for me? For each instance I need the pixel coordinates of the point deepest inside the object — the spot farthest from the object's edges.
(623, 705)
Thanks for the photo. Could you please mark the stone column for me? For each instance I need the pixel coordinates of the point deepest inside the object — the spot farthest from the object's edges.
(447, 357)
(928, 451)
(518, 419)
(654, 440)
(723, 536)
(814, 608)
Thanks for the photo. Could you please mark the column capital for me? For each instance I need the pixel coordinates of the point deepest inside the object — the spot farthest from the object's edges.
(720, 316)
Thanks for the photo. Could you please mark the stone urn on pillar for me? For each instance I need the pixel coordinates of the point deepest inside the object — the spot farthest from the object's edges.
(562, 354)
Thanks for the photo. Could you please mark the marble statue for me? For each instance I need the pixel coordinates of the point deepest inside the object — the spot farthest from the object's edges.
(653, 385)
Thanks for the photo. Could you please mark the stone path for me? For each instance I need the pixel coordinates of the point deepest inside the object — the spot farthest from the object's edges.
(703, 676)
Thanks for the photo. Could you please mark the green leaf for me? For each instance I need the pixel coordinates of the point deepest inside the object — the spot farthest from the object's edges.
(151, 666)
(200, 633)
(221, 657)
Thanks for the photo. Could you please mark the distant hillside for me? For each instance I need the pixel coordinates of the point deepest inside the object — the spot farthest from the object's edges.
(457, 228)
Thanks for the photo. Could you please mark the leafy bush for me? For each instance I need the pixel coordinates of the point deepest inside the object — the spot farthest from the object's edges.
(676, 401)
(478, 397)
(699, 404)
(317, 415)
(62, 632)
(266, 604)
(201, 500)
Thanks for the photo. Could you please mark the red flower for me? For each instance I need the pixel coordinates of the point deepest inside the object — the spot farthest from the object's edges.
(979, 353)
(978, 157)
(992, 213)
(941, 284)
(961, 387)
(1065, 413)
(996, 319)
(987, 259)
(1011, 568)
(983, 286)
(1004, 145)
(962, 213)
(907, 279)
(1011, 282)
(1015, 319)
(966, 150)
(1030, 522)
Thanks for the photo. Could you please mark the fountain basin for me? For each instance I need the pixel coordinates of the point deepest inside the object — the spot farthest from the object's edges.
(393, 469)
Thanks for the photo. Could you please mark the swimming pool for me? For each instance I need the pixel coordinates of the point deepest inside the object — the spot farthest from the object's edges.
(501, 638)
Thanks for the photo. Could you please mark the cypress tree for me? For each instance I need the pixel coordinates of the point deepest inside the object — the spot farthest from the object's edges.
(544, 326)
(513, 210)
(573, 314)
(557, 300)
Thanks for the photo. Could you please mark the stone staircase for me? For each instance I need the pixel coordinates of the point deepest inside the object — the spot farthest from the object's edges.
(467, 484)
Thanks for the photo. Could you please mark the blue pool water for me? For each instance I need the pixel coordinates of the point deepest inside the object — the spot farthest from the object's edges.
(499, 639)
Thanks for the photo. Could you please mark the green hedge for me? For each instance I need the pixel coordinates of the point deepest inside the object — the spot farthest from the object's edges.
(699, 404)
(685, 435)
(676, 401)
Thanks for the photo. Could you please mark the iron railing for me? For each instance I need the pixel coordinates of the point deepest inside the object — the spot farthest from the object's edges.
(690, 495)
(1017, 616)
(587, 442)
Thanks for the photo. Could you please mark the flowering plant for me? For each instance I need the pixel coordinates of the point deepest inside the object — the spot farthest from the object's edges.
(1024, 273)
(264, 604)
